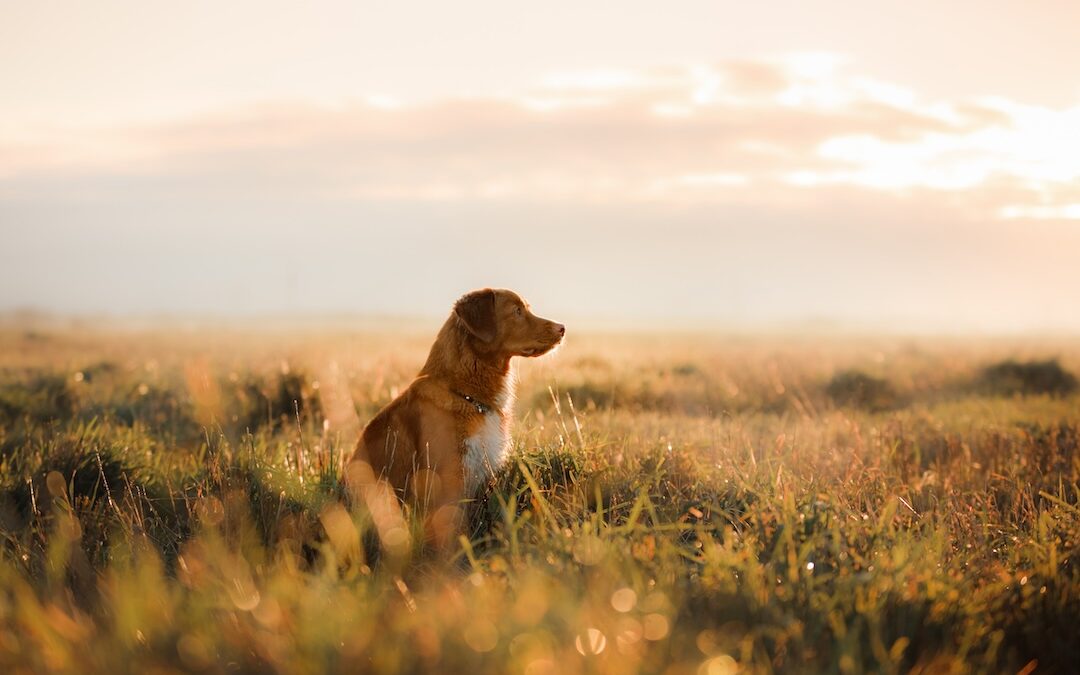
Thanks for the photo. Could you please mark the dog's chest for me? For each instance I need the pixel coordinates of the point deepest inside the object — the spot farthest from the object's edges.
(487, 447)
(485, 450)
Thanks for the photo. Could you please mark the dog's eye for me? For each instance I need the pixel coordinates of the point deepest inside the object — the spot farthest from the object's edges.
(519, 311)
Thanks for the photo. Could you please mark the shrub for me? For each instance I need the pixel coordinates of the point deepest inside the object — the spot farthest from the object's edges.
(277, 403)
(44, 398)
(165, 411)
(1009, 378)
(856, 389)
(553, 471)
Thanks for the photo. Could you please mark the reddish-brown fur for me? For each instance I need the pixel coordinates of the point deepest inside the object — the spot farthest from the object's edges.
(418, 443)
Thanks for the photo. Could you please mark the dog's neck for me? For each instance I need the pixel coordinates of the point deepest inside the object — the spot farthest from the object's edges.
(483, 376)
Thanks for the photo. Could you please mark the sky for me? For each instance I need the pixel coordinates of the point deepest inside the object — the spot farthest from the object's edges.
(902, 165)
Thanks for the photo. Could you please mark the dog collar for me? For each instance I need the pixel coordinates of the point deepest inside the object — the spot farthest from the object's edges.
(481, 408)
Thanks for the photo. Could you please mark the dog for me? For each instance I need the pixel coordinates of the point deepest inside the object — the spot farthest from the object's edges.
(449, 431)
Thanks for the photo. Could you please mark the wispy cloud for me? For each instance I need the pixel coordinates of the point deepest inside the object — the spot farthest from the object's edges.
(739, 131)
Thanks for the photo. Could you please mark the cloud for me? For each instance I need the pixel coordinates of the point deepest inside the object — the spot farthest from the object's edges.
(1059, 212)
(745, 132)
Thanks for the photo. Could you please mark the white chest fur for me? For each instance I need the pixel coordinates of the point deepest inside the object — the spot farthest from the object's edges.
(487, 448)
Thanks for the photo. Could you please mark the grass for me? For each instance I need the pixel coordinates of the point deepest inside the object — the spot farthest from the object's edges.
(696, 504)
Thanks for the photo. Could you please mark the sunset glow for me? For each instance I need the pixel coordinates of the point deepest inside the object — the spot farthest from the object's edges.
(760, 139)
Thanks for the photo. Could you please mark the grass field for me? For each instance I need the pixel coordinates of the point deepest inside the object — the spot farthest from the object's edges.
(170, 500)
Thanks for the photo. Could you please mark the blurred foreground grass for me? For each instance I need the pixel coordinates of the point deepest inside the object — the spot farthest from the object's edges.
(170, 501)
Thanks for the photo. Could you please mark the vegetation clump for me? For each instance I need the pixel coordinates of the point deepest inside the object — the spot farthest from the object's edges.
(43, 397)
(1027, 378)
(285, 400)
(856, 389)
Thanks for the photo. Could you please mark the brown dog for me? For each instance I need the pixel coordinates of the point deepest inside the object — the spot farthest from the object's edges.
(450, 429)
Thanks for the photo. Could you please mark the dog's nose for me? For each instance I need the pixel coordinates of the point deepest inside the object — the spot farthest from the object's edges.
(560, 329)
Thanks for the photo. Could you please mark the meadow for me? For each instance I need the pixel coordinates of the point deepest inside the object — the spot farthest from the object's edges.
(171, 500)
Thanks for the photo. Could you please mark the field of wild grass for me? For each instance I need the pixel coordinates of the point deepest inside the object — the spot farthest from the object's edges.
(171, 500)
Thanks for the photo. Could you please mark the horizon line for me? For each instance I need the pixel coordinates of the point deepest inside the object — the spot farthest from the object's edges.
(35, 318)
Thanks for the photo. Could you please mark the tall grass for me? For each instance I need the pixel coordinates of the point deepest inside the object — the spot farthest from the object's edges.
(689, 506)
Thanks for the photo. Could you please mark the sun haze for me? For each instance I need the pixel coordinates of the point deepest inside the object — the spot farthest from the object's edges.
(905, 165)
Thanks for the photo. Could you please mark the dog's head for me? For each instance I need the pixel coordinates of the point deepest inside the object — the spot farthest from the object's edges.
(502, 322)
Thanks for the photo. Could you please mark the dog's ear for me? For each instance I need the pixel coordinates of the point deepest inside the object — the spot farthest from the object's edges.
(477, 311)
